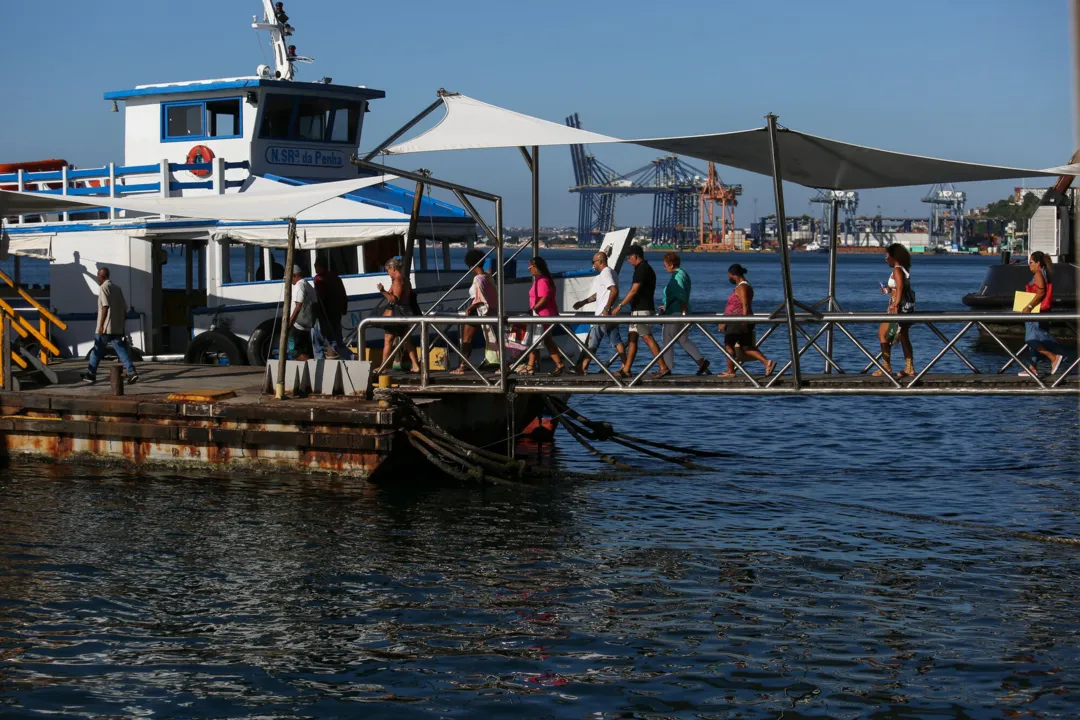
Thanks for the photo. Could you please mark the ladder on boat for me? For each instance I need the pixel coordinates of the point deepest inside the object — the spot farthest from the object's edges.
(25, 348)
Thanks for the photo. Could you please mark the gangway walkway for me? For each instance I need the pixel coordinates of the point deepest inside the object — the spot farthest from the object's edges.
(816, 333)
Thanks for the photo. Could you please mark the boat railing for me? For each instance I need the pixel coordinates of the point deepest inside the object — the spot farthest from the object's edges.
(163, 178)
(813, 329)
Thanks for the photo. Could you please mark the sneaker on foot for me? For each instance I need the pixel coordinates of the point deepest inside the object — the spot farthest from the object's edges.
(87, 378)
(132, 379)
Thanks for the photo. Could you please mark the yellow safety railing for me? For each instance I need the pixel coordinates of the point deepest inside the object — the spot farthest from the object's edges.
(25, 329)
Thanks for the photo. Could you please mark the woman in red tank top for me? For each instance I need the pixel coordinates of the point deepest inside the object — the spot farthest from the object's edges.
(1037, 334)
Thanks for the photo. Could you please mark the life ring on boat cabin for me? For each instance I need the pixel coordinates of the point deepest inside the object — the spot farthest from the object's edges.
(200, 154)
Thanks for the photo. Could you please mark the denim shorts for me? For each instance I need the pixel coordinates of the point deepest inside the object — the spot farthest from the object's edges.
(599, 332)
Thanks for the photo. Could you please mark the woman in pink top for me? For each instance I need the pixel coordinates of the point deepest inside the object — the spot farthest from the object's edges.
(543, 302)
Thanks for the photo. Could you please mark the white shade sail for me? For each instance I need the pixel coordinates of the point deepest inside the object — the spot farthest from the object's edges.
(24, 203)
(471, 124)
(804, 159)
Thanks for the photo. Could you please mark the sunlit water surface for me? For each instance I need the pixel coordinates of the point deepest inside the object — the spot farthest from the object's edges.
(772, 586)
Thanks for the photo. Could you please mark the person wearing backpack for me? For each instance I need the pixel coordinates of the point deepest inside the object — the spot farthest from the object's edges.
(302, 318)
(901, 302)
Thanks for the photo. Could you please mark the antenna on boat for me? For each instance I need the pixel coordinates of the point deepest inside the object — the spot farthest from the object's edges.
(276, 22)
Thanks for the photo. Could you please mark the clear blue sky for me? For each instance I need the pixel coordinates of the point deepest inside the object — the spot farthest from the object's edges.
(979, 80)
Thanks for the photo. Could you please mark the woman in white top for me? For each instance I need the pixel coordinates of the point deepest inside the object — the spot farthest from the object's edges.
(901, 302)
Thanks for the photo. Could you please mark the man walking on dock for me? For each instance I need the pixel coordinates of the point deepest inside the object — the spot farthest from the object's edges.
(605, 295)
(640, 300)
(112, 311)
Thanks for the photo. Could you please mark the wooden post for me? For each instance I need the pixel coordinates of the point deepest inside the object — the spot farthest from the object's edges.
(414, 219)
(116, 380)
(5, 350)
(283, 336)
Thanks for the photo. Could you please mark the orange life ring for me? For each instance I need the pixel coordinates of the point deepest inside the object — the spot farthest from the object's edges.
(200, 154)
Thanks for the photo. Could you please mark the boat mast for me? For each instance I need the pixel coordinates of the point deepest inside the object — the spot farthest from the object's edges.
(276, 22)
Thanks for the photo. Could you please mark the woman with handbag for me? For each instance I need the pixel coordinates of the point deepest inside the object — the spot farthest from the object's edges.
(401, 303)
(901, 302)
(741, 302)
(1037, 334)
(543, 303)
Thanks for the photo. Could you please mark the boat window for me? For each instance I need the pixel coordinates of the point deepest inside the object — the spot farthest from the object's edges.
(184, 120)
(223, 118)
(313, 119)
(201, 120)
(277, 114)
(341, 260)
(347, 122)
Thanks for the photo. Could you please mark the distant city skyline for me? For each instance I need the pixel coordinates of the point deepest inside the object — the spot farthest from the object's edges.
(967, 80)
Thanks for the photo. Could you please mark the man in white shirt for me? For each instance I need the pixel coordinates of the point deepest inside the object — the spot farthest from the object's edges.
(303, 315)
(111, 314)
(605, 295)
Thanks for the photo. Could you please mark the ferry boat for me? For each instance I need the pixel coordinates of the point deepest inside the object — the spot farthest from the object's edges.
(234, 135)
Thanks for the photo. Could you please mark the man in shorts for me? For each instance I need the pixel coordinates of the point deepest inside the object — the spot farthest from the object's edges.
(303, 315)
(640, 300)
(605, 294)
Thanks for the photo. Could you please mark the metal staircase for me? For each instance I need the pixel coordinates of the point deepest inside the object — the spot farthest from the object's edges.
(25, 348)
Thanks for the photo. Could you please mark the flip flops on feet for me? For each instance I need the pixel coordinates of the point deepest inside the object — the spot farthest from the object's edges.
(769, 367)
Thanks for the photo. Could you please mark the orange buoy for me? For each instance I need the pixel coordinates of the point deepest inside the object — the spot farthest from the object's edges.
(200, 154)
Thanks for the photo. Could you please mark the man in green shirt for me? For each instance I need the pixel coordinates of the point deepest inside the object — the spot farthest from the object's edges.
(677, 302)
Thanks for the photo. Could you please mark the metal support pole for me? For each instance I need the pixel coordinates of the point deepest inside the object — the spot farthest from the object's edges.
(511, 443)
(424, 353)
(831, 305)
(500, 288)
(785, 260)
(414, 219)
(283, 336)
(406, 127)
(535, 200)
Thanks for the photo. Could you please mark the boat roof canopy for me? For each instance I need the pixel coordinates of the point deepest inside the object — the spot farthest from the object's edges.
(242, 83)
(804, 159)
(279, 203)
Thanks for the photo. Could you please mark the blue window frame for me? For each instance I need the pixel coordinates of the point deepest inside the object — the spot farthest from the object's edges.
(214, 119)
(310, 118)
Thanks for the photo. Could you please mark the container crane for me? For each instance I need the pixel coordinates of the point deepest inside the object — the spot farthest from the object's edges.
(715, 191)
(946, 202)
(596, 206)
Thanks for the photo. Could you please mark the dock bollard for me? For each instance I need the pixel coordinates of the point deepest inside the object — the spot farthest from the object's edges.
(116, 380)
(384, 381)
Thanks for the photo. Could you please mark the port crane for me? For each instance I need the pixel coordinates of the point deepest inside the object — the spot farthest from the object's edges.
(715, 191)
(946, 202)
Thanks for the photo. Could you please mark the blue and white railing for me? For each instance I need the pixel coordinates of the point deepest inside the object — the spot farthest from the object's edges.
(121, 181)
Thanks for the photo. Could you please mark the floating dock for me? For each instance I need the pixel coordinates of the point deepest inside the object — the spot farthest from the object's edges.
(184, 415)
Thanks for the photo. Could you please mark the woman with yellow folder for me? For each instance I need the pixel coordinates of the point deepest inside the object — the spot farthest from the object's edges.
(1037, 334)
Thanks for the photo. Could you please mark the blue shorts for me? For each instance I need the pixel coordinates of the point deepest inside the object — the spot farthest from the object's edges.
(599, 332)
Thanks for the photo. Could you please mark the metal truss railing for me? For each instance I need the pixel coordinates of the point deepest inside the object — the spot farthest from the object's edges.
(810, 326)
